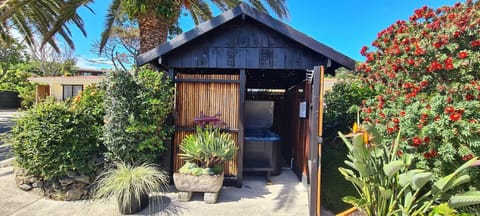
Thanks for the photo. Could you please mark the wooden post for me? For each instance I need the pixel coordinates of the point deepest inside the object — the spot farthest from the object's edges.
(316, 121)
(313, 142)
(167, 158)
(320, 135)
(241, 104)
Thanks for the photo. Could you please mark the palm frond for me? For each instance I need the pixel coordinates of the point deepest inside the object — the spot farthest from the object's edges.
(67, 14)
(111, 17)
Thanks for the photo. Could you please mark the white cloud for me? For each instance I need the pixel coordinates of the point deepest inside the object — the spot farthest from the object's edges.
(92, 63)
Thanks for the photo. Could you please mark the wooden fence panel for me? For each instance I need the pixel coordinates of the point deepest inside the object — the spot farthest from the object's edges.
(208, 94)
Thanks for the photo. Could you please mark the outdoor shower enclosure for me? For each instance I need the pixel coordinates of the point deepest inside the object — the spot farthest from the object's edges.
(215, 64)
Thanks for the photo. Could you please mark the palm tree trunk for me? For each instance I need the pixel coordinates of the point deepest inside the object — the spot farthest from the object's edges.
(153, 32)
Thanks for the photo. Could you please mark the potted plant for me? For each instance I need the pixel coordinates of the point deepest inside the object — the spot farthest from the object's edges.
(130, 185)
(205, 152)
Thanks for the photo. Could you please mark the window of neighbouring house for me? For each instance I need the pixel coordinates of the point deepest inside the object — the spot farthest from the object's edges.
(71, 91)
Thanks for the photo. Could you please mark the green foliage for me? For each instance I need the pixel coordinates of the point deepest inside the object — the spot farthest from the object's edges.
(388, 183)
(52, 138)
(334, 186)
(341, 101)
(136, 126)
(193, 169)
(208, 147)
(127, 183)
(427, 70)
(11, 54)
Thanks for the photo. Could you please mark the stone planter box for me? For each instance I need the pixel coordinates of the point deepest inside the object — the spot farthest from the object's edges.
(209, 184)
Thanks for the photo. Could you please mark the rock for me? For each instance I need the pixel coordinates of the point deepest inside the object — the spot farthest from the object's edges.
(75, 194)
(20, 171)
(56, 185)
(19, 180)
(30, 180)
(72, 174)
(98, 172)
(79, 185)
(25, 187)
(83, 178)
(66, 181)
(38, 184)
(57, 196)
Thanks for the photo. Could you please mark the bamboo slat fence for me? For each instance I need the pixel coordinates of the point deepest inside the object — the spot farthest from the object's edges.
(209, 94)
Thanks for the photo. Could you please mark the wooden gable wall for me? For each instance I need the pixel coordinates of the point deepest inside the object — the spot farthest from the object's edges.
(243, 44)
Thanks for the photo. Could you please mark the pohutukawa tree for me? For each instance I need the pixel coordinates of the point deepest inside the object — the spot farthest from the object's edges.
(427, 70)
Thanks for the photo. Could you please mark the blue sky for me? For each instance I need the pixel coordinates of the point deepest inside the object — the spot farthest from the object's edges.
(344, 25)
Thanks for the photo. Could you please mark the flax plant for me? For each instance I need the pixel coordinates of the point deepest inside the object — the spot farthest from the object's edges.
(388, 183)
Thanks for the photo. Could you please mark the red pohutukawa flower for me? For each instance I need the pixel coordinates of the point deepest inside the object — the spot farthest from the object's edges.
(449, 109)
(455, 116)
(469, 97)
(417, 141)
(431, 154)
(462, 55)
(467, 157)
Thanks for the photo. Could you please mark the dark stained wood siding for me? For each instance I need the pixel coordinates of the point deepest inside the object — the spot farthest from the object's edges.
(243, 44)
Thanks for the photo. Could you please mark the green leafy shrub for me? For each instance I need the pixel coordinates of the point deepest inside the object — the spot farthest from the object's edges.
(208, 148)
(341, 101)
(388, 183)
(136, 115)
(427, 70)
(52, 137)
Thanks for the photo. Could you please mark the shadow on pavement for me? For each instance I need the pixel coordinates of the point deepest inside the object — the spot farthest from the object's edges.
(162, 205)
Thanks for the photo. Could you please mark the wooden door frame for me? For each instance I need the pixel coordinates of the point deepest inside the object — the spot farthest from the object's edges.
(315, 132)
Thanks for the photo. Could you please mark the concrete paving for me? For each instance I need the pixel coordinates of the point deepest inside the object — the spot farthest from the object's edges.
(7, 120)
(285, 197)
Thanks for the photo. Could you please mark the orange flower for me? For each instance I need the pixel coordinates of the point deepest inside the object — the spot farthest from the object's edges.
(77, 98)
(365, 138)
(355, 127)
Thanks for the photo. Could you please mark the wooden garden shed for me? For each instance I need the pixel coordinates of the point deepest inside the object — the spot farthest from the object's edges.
(245, 55)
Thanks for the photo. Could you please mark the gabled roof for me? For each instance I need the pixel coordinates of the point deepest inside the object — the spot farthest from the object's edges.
(244, 9)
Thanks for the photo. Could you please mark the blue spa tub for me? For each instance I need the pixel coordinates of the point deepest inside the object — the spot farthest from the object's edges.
(262, 151)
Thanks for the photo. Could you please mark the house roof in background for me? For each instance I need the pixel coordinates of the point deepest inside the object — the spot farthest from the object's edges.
(68, 80)
(240, 10)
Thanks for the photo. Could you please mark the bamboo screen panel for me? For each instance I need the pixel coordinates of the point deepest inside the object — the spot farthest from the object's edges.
(192, 98)
(209, 98)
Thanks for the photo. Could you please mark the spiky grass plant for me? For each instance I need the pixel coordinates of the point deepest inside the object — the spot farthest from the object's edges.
(130, 185)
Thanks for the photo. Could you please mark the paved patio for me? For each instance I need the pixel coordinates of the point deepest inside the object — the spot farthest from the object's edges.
(7, 117)
(286, 196)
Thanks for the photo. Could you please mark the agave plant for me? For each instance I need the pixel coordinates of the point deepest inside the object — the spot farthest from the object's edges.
(208, 147)
(130, 185)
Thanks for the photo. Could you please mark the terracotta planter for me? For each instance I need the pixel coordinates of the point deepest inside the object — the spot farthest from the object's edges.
(135, 206)
(209, 184)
